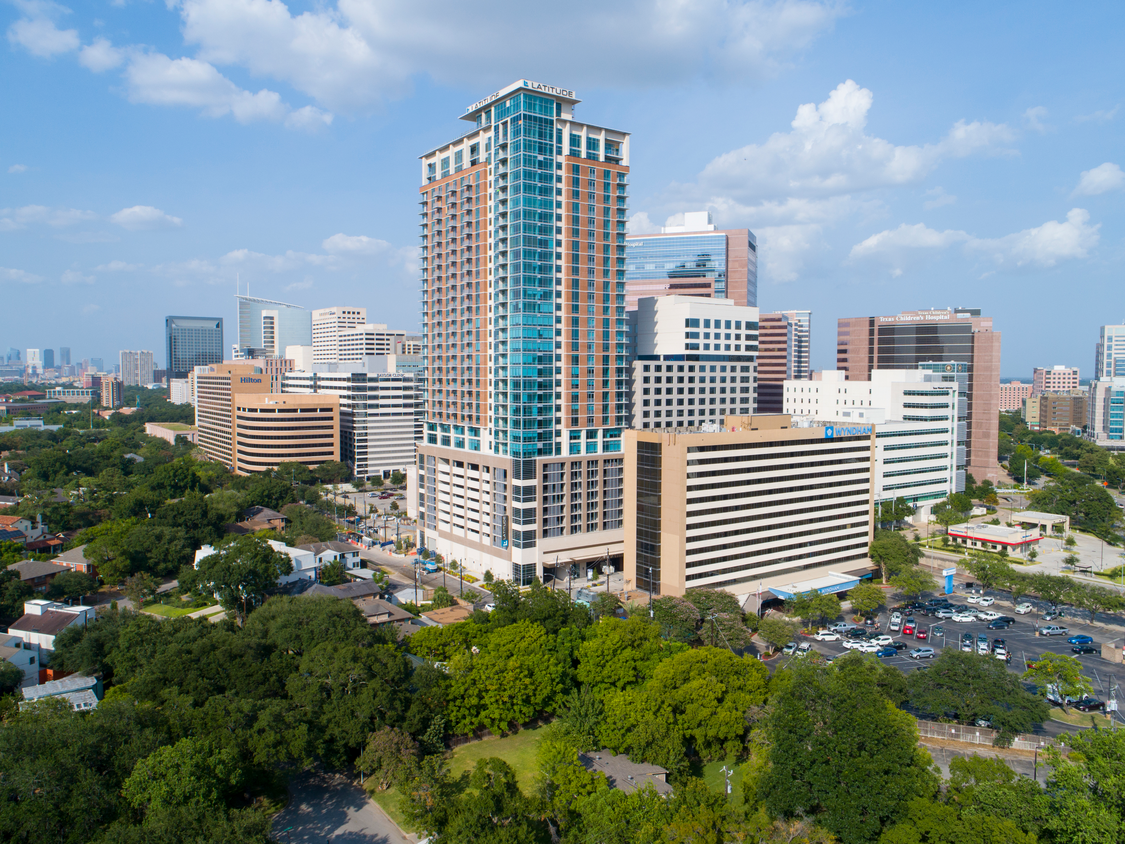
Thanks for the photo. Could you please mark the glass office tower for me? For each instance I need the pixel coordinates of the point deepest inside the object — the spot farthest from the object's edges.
(266, 327)
(190, 342)
(523, 286)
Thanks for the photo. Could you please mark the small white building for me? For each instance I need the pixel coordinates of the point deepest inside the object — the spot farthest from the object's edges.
(179, 391)
(304, 562)
(81, 692)
(23, 656)
(43, 620)
(330, 552)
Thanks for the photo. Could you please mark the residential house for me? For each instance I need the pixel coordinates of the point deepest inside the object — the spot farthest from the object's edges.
(364, 595)
(83, 693)
(27, 529)
(263, 518)
(14, 650)
(626, 775)
(36, 573)
(46, 544)
(304, 562)
(75, 559)
(43, 620)
(330, 552)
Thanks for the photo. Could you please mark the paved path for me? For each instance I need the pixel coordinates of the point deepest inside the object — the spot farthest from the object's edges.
(332, 808)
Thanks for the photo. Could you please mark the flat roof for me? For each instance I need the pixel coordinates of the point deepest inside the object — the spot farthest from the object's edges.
(1036, 516)
(831, 582)
(994, 533)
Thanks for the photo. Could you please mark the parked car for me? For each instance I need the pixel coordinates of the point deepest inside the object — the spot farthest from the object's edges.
(921, 634)
(1023, 608)
(789, 649)
(896, 616)
(883, 653)
(867, 647)
(1084, 649)
(883, 640)
(964, 617)
(998, 643)
(896, 625)
(1089, 704)
(945, 612)
(1007, 618)
(972, 599)
(967, 645)
(1081, 640)
(999, 625)
(1052, 630)
(937, 630)
(987, 615)
(898, 645)
(839, 626)
(827, 636)
(986, 601)
(803, 649)
(922, 653)
(982, 647)
(854, 644)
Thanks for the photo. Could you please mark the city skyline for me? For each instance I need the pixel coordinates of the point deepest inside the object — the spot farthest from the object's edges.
(874, 184)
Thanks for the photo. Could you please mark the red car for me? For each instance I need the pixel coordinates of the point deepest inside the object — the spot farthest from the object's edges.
(921, 634)
(908, 627)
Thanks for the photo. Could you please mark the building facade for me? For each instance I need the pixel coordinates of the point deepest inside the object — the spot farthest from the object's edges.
(327, 326)
(1109, 354)
(266, 327)
(1013, 395)
(1105, 415)
(938, 340)
(381, 412)
(136, 368)
(692, 361)
(48, 359)
(693, 259)
(214, 388)
(110, 389)
(191, 342)
(373, 340)
(1057, 379)
(763, 504)
(270, 429)
(919, 451)
(784, 349)
(64, 355)
(523, 284)
(1057, 412)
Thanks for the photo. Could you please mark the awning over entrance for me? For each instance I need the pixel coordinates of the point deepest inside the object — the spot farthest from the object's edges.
(829, 583)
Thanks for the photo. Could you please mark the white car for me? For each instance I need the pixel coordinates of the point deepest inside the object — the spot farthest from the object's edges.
(972, 599)
(987, 615)
(896, 616)
(868, 647)
(964, 617)
(987, 602)
(803, 649)
(882, 641)
(854, 644)
(895, 625)
(945, 613)
(983, 648)
(1023, 609)
(827, 636)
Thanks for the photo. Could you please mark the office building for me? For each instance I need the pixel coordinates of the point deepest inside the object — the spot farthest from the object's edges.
(136, 368)
(381, 412)
(939, 340)
(327, 326)
(73, 395)
(273, 369)
(1057, 412)
(917, 456)
(192, 341)
(523, 286)
(248, 429)
(179, 391)
(110, 389)
(34, 362)
(1012, 396)
(97, 365)
(784, 348)
(372, 340)
(692, 361)
(266, 327)
(48, 359)
(64, 355)
(1106, 413)
(759, 505)
(1109, 354)
(1057, 379)
(693, 259)
(14, 355)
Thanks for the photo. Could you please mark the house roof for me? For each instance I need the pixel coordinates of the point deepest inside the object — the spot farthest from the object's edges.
(624, 774)
(50, 623)
(8, 653)
(381, 612)
(67, 685)
(319, 548)
(8, 521)
(262, 514)
(11, 534)
(74, 555)
(358, 589)
(31, 569)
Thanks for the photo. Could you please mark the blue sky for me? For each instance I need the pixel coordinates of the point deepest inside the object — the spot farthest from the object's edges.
(888, 155)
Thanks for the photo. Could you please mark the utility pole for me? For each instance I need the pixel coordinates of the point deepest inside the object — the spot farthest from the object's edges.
(649, 568)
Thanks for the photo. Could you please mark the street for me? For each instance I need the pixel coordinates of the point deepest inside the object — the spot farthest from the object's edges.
(330, 807)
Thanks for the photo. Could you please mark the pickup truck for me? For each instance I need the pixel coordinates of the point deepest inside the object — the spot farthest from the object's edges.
(1052, 630)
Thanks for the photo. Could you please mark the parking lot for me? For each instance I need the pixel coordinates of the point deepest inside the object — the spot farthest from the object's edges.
(1020, 639)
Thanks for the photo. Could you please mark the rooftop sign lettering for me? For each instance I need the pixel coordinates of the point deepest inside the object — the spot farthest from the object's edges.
(523, 83)
(833, 431)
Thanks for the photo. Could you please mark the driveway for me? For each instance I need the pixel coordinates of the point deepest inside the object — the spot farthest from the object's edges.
(331, 808)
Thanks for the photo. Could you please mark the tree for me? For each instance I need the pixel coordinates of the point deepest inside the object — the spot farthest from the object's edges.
(70, 585)
(938, 823)
(139, 588)
(1061, 674)
(1070, 541)
(913, 581)
(621, 654)
(495, 810)
(442, 599)
(1051, 588)
(189, 772)
(892, 552)
(394, 507)
(989, 572)
(840, 751)
(1086, 788)
(946, 516)
(606, 604)
(677, 617)
(969, 686)
(814, 605)
(239, 574)
(397, 478)
(865, 598)
(332, 573)
(777, 631)
(390, 755)
(11, 677)
(13, 592)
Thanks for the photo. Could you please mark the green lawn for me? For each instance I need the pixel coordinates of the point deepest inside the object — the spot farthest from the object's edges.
(388, 802)
(715, 779)
(170, 612)
(176, 426)
(1081, 719)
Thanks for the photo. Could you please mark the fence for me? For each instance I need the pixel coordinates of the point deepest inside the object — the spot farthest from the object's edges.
(979, 735)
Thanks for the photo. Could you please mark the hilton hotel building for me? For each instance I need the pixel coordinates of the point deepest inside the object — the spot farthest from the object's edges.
(523, 308)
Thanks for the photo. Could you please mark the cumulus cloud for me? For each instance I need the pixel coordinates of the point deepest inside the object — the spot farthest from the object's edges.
(1101, 179)
(1033, 119)
(1042, 246)
(118, 267)
(156, 79)
(18, 168)
(19, 276)
(783, 250)
(36, 31)
(343, 244)
(100, 56)
(940, 198)
(1103, 116)
(76, 277)
(29, 215)
(142, 217)
(640, 223)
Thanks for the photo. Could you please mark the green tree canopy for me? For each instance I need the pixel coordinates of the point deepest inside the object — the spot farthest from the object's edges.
(239, 574)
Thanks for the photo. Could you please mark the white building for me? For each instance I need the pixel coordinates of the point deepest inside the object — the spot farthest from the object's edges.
(179, 391)
(43, 620)
(1109, 354)
(364, 341)
(136, 368)
(693, 361)
(305, 564)
(380, 412)
(1106, 412)
(22, 655)
(327, 326)
(919, 450)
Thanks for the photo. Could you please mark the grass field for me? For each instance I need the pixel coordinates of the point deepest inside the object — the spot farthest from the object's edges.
(713, 775)
(1080, 719)
(170, 612)
(177, 426)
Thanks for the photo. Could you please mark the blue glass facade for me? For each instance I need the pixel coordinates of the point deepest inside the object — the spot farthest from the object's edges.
(192, 342)
(680, 258)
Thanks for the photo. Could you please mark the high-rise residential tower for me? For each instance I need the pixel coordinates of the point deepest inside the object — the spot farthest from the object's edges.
(523, 286)
(1109, 355)
(64, 355)
(957, 341)
(327, 326)
(48, 359)
(783, 354)
(192, 341)
(136, 368)
(1057, 379)
(693, 259)
(266, 327)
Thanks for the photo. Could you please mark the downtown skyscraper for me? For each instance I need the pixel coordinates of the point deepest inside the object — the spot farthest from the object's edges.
(523, 288)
